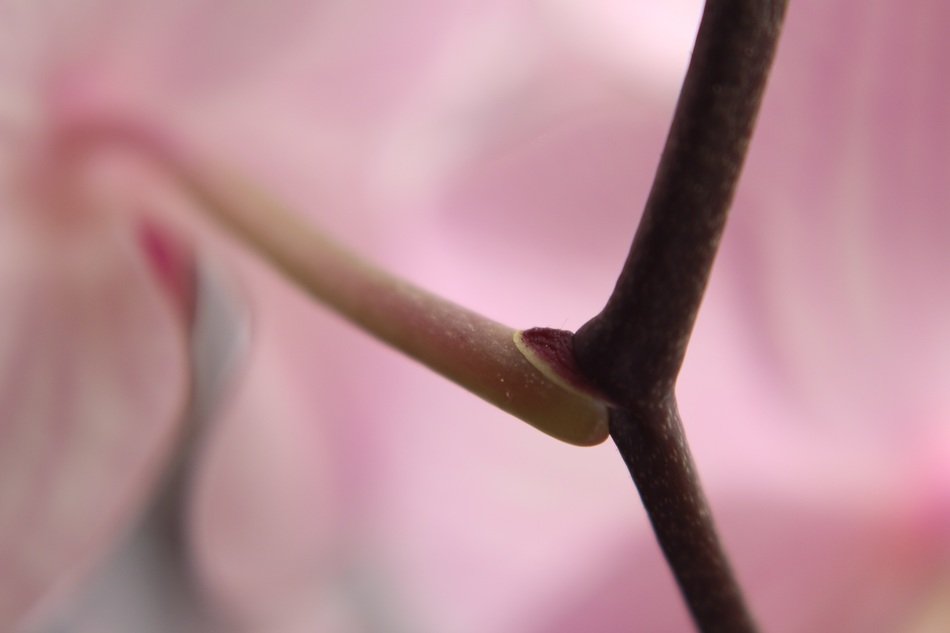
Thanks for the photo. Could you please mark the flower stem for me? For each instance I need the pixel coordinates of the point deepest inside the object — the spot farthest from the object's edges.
(477, 353)
(632, 351)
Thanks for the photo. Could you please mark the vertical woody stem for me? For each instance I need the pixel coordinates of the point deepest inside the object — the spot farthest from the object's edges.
(634, 348)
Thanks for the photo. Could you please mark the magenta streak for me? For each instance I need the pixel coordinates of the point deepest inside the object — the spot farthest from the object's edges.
(173, 264)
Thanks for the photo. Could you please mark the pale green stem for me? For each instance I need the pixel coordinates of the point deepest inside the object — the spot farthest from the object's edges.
(467, 348)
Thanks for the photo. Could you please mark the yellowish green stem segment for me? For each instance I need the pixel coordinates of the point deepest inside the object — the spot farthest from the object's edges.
(467, 348)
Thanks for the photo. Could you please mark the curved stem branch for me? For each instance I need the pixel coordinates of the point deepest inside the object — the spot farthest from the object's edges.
(632, 351)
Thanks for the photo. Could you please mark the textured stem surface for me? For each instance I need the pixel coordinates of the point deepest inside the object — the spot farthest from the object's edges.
(477, 353)
(632, 351)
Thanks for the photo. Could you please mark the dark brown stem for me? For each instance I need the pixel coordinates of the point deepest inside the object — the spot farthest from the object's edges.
(633, 349)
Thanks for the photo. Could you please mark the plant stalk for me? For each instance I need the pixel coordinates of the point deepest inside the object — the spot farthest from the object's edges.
(633, 349)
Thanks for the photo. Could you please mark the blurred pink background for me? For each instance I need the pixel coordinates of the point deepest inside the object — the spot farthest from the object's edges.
(498, 153)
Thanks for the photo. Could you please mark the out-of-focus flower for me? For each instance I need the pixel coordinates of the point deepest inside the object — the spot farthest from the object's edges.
(495, 153)
(94, 383)
(118, 329)
(97, 305)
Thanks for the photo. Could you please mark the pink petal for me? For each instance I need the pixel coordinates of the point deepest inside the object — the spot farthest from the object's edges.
(189, 48)
(838, 241)
(146, 583)
(259, 510)
(809, 565)
(92, 387)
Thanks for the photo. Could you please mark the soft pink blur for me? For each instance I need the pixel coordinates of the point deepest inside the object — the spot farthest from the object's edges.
(499, 153)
